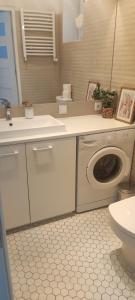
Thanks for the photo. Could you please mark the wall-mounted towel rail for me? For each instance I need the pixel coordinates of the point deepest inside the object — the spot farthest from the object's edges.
(38, 33)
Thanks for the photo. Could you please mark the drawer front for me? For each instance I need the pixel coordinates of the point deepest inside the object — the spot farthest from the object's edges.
(13, 185)
(51, 177)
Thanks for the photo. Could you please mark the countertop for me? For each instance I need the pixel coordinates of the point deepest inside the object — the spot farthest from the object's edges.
(75, 126)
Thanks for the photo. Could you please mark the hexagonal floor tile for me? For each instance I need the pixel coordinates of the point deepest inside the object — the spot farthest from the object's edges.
(73, 258)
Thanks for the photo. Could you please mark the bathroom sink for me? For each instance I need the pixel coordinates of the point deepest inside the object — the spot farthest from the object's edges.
(22, 127)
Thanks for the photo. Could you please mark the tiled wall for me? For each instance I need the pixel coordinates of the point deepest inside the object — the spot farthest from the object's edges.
(73, 109)
(39, 75)
(91, 59)
(40, 80)
(123, 74)
(78, 61)
(33, 4)
(124, 54)
(133, 168)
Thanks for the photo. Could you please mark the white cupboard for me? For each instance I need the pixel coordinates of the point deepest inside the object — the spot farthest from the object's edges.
(13, 185)
(37, 180)
(51, 177)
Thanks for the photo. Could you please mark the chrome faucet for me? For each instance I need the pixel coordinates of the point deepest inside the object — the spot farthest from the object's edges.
(7, 105)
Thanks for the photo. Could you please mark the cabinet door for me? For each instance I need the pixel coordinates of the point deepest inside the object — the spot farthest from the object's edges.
(13, 185)
(51, 177)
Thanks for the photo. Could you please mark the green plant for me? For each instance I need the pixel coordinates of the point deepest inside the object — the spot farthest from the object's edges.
(109, 98)
(106, 96)
(97, 94)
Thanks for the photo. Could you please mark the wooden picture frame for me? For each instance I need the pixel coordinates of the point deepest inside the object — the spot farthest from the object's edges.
(126, 106)
(91, 87)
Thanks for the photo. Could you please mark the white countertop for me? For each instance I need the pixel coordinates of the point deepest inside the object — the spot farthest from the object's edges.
(93, 124)
(75, 126)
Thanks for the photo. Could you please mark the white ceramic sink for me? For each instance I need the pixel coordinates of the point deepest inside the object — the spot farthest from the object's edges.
(25, 127)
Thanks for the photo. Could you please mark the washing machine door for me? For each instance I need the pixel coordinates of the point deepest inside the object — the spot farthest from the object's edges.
(107, 168)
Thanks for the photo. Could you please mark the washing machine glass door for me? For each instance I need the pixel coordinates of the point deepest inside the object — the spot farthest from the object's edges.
(107, 168)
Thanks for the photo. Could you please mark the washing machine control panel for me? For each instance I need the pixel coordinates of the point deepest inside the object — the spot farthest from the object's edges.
(120, 137)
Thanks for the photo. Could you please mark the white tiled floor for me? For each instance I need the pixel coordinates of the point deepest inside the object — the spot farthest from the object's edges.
(74, 258)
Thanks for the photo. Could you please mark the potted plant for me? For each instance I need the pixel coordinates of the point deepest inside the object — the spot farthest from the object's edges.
(98, 97)
(108, 103)
(104, 101)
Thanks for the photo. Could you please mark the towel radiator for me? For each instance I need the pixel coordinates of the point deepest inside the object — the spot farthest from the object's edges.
(38, 33)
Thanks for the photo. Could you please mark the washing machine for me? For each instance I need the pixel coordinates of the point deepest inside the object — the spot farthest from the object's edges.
(103, 162)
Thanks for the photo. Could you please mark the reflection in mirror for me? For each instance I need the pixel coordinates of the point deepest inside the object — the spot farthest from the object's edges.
(73, 11)
(124, 55)
(91, 59)
(39, 78)
(9, 85)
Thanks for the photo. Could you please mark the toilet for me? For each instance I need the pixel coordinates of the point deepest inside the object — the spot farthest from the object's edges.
(122, 220)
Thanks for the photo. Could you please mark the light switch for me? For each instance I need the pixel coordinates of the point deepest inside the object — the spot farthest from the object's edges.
(63, 109)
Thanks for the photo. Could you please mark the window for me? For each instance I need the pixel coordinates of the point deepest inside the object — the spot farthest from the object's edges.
(73, 20)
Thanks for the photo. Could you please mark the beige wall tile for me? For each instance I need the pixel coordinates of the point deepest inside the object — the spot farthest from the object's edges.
(40, 80)
(124, 54)
(133, 168)
(33, 4)
(123, 74)
(73, 109)
(91, 58)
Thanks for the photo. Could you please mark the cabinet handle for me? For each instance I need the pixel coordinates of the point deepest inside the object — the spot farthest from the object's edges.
(89, 143)
(42, 149)
(9, 154)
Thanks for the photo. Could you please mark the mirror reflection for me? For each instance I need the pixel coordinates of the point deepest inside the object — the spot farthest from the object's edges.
(49, 50)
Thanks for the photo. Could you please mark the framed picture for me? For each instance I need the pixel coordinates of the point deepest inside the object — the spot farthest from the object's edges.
(126, 107)
(91, 87)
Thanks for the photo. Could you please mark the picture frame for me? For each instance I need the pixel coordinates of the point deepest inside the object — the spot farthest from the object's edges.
(126, 106)
(91, 87)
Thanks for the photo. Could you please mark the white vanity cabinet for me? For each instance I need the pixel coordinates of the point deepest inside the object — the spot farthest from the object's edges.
(13, 185)
(51, 177)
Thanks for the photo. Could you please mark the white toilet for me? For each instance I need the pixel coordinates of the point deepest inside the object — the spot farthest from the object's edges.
(122, 219)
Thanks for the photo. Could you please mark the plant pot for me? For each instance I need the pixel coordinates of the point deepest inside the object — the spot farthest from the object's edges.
(107, 112)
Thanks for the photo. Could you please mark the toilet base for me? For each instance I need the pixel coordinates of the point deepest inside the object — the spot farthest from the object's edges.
(128, 254)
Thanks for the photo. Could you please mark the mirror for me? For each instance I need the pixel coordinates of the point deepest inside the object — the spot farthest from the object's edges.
(39, 79)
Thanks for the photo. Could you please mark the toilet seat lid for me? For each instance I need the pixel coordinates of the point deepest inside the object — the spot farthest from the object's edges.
(123, 212)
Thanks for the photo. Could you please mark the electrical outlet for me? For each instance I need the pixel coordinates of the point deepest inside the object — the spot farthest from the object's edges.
(98, 106)
(62, 109)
